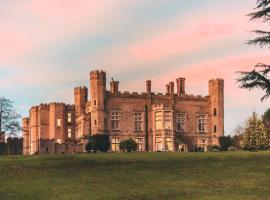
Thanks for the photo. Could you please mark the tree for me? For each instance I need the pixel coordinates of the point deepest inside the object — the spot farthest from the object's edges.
(237, 136)
(9, 118)
(254, 134)
(14, 146)
(128, 145)
(98, 142)
(236, 141)
(259, 76)
(225, 142)
(266, 120)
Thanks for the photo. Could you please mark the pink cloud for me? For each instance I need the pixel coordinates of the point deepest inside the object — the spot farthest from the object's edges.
(182, 40)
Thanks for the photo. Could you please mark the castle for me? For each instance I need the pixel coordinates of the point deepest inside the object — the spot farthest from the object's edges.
(174, 121)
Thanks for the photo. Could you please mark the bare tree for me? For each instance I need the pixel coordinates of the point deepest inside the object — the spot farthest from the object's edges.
(9, 118)
(259, 76)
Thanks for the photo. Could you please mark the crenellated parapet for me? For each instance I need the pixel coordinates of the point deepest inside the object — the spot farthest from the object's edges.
(157, 96)
(162, 107)
(97, 74)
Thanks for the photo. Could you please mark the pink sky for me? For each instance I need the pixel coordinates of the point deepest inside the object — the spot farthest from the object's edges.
(51, 45)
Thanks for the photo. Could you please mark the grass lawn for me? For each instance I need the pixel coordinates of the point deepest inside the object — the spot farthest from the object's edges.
(231, 175)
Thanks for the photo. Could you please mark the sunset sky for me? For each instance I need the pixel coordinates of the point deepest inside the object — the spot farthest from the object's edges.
(47, 47)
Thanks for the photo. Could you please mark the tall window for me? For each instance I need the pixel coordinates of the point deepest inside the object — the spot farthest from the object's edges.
(215, 128)
(167, 120)
(58, 122)
(115, 144)
(180, 122)
(215, 112)
(139, 141)
(168, 144)
(158, 120)
(69, 117)
(201, 123)
(115, 118)
(138, 121)
(69, 132)
(159, 145)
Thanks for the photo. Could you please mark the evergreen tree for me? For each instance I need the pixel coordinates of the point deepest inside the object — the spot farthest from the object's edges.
(266, 120)
(254, 134)
(259, 76)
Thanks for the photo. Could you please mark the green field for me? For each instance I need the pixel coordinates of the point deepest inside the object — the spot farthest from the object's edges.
(232, 175)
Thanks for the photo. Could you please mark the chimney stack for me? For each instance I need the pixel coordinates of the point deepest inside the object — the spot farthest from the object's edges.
(171, 88)
(167, 89)
(114, 86)
(180, 86)
(148, 86)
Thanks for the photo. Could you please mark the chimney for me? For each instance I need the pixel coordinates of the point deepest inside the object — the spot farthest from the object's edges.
(180, 86)
(148, 86)
(167, 89)
(114, 86)
(171, 88)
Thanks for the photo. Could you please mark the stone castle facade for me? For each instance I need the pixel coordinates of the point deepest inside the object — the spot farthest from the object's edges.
(174, 121)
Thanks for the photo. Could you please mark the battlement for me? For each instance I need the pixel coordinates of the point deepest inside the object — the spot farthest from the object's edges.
(25, 119)
(162, 107)
(217, 80)
(34, 108)
(157, 96)
(97, 73)
(57, 104)
(80, 89)
(44, 107)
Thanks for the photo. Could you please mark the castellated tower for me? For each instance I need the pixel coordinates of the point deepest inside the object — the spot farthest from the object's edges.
(80, 99)
(34, 130)
(216, 93)
(98, 101)
(26, 136)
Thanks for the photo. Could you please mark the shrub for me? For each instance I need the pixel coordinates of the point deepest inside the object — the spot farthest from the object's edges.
(232, 148)
(225, 142)
(98, 142)
(128, 145)
(90, 145)
(213, 148)
(199, 149)
(3, 148)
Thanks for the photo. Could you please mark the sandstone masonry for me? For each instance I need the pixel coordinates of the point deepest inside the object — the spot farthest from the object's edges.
(174, 121)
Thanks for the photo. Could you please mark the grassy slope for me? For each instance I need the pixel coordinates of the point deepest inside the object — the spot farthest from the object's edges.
(236, 175)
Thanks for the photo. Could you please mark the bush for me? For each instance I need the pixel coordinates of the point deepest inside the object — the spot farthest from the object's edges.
(225, 142)
(98, 142)
(199, 149)
(213, 148)
(90, 145)
(128, 145)
(3, 148)
(232, 148)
